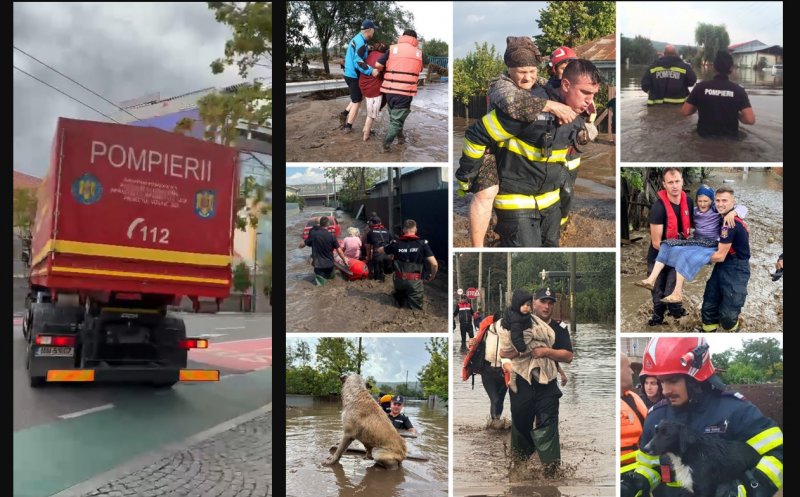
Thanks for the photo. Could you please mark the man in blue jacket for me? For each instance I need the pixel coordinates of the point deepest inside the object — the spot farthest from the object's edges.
(354, 63)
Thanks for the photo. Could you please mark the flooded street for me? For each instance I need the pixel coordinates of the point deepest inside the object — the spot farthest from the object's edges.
(762, 192)
(313, 134)
(587, 424)
(660, 133)
(313, 426)
(592, 220)
(351, 306)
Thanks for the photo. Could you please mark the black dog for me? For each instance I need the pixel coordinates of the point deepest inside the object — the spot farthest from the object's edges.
(701, 462)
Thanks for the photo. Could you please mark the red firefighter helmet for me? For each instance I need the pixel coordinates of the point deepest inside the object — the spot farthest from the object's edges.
(561, 54)
(667, 355)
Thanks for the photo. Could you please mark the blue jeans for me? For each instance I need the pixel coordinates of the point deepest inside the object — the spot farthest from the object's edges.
(725, 293)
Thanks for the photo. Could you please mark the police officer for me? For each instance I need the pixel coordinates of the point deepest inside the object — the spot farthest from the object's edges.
(695, 396)
(399, 420)
(720, 103)
(377, 237)
(726, 290)
(534, 401)
(533, 159)
(668, 79)
(323, 244)
(410, 254)
(464, 312)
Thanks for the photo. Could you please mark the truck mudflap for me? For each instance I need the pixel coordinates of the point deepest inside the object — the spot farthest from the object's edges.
(131, 375)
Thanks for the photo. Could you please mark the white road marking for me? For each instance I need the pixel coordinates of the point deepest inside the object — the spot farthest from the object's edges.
(213, 335)
(86, 411)
(230, 328)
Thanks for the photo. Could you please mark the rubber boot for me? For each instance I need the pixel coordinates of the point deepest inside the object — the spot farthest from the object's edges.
(521, 448)
(548, 444)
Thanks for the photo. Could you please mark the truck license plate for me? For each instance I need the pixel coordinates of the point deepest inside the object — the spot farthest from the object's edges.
(55, 351)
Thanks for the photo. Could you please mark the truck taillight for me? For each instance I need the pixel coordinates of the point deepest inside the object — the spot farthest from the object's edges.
(55, 341)
(194, 343)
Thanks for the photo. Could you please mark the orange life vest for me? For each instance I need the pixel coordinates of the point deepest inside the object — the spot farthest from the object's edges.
(631, 428)
(403, 67)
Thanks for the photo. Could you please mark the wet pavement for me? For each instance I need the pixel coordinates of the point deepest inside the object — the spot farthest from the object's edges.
(593, 218)
(313, 133)
(762, 192)
(660, 133)
(313, 426)
(352, 306)
(586, 421)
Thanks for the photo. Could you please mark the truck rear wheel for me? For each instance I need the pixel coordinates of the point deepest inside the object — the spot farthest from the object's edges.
(53, 319)
(170, 333)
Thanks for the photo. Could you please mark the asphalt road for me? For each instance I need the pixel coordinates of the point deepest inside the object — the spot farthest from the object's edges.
(66, 433)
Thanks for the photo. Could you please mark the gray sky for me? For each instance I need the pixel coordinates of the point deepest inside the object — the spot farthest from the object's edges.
(492, 22)
(675, 22)
(388, 358)
(121, 51)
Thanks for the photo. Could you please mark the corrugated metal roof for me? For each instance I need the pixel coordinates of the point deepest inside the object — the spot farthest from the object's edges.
(747, 47)
(604, 49)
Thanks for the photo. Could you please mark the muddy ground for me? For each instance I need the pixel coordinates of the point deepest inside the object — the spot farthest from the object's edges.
(593, 218)
(352, 306)
(314, 134)
(763, 309)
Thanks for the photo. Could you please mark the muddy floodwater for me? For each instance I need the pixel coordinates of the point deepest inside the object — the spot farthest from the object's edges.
(313, 131)
(313, 426)
(762, 192)
(351, 306)
(587, 424)
(592, 221)
(661, 133)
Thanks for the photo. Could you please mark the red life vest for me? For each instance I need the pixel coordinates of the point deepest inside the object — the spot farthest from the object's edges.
(403, 67)
(672, 220)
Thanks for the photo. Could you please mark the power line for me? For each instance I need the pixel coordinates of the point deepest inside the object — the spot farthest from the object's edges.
(66, 94)
(85, 88)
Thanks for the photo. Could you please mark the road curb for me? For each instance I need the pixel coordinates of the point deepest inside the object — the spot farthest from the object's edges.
(151, 457)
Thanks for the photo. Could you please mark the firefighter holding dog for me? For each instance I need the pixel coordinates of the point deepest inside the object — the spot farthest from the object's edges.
(695, 396)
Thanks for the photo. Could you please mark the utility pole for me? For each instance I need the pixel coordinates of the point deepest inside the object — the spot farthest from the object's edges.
(489, 287)
(458, 271)
(573, 262)
(480, 279)
(508, 277)
(359, 356)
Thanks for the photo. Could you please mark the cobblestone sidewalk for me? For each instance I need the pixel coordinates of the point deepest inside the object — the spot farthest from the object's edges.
(234, 463)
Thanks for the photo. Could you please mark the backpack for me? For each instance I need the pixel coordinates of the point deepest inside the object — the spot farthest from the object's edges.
(475, 361)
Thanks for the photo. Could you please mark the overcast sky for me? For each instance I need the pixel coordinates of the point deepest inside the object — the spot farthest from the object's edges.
(388, 359)
(675, 22)
(121, 51)
(492, 22)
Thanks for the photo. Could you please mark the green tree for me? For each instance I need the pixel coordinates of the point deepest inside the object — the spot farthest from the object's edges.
(712, 38)
(296, 199)
(339, 356)
(306, 380)
(433, 375)
(251, 103)
(24, 213)
(241, 277)
(435, 48)
(763, 354)
(574, 23)
(471, 75)
(638, 50)
(296, 39)
(336, 22)
(354, 181)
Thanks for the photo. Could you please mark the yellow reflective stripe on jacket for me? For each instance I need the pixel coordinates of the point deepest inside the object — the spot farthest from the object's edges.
(674, 100)
(647, 459)
(564, 220)
(676, 69)
(766, 440)
(651, 475)
(532, 153)
(473, 150)
(495, 129)
(628, 467)
(573, 164)
(514, 201)
(772, 467)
